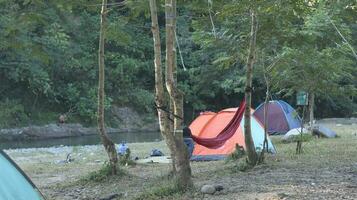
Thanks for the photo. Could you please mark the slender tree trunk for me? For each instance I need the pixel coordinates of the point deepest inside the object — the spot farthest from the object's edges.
(266, 121)
(311, 108)
(249, 143)
(159, 86)
(108, 144)
(182, 163)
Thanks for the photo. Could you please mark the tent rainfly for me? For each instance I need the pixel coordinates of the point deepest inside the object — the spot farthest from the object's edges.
(281, 117)
(14, 183)
(209, 124)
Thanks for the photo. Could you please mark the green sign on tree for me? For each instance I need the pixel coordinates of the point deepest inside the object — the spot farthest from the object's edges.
(301, 98)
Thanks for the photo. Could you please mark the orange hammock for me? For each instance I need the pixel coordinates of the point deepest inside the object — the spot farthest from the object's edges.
(225, 134)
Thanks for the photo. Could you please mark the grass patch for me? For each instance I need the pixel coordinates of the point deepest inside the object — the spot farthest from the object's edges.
(237, 154)
(103, 174)
(296, 138)
(162, 191)
(241, 166)
(125, 160)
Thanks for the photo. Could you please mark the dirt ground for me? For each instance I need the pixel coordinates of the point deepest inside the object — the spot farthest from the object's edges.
(327, 169)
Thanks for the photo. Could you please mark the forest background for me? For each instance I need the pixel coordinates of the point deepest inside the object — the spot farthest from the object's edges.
(49, 63)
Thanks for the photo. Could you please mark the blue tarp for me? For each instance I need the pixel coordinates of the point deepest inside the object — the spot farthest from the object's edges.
(208, 157)
(324, 131)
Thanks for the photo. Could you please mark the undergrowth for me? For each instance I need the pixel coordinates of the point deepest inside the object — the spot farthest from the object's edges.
(168, 187)
(241, 166)
(237, 154)
(301, 138)
(125, 160)
(104, 173)
(160, 192)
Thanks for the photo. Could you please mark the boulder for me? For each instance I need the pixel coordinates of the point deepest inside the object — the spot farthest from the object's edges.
(111, 196)
(45, 132)
(208, 189)
(126, 118)
(218, 187)
(323, 131)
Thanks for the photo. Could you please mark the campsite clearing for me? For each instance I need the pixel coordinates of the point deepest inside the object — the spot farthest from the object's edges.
(326, 170)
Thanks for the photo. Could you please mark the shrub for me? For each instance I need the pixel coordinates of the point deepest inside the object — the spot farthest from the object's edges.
(125, 159)
(241, 166)
(301, 138)
(164, 190)
(237, 154)
(102, 174)
(12, 114)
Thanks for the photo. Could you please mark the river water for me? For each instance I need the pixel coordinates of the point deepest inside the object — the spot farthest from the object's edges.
(83, 140)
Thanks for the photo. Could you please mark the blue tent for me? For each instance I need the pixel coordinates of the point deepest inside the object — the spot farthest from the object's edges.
(14, 184)
(281, 117)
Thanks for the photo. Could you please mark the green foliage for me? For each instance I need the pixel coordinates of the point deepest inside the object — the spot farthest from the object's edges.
(301, 138)
(49, 58)
(125, 159)
(241, 166)
(143, 100)
(102, 174)
(12, 114)
(48, 55)
(237, 154)
(162, 191)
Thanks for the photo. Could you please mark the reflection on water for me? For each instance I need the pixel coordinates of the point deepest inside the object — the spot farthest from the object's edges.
(83, 140)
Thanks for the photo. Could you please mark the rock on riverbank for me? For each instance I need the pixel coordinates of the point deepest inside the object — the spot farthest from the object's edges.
(127, 119)
(58, 131)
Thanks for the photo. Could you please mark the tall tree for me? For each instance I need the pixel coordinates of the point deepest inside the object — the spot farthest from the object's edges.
(249, 143)
(159, 85)
(108, 144)
(182, 163)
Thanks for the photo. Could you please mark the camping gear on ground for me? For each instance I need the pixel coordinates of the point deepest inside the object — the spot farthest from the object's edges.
(14, 183)
(210, 124)
(294, 132)
(155, 159)
(281, 117)
(190, 145)
(156, 152)
(187, 139)
(122, 148)
(221, 135)
(323, 131)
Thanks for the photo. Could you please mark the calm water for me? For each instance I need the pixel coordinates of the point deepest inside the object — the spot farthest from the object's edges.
(83, 140)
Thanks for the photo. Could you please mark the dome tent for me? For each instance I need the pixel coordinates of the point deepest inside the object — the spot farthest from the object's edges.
(281, 117)
(14, 184)
(209, 124)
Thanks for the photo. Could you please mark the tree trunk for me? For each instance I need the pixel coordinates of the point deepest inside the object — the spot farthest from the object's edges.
(311, 108)
(159, 86)
(249, 143)
(266, 121)
(182, 163)
(108, 144)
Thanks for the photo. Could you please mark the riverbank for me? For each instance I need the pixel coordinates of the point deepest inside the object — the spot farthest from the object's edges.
(119, 119)
(129, 125)
(53, 131)
(326, 170)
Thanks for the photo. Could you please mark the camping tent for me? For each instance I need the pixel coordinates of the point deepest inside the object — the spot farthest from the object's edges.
(210, 124)
(281, 117)
(14, 184)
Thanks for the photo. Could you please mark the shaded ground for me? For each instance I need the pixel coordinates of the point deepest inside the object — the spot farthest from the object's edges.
(326, 170)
